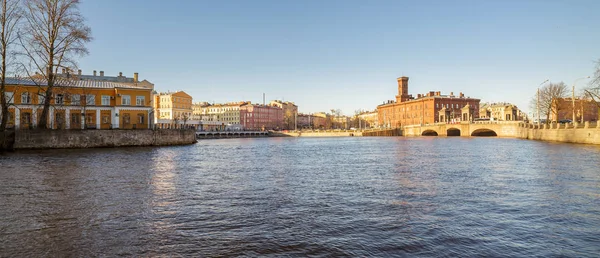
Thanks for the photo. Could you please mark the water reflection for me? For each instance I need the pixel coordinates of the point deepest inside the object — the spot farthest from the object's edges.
(305, 197)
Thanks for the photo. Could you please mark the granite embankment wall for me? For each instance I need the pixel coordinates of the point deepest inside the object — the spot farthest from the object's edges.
(67, 139)
(388, 132)
(315, 134)
(573, 133)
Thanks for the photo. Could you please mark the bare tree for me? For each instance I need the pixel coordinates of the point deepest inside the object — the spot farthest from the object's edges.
(593, 90)
(9, 19)
(548, 96)
(176, 119)
(185, 117)
(54, 34)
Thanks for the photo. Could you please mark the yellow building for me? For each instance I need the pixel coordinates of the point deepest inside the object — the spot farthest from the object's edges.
(172, 108)
(79, 104)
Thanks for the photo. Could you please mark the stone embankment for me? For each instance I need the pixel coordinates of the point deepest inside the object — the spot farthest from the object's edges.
(316, 134)
(72, 139)
(388, 132)
(573, 133)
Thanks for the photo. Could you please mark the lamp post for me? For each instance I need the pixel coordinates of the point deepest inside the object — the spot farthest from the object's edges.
(538, 101)
(573, 97)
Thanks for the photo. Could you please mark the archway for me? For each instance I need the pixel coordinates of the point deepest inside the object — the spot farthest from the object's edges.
(484, 132)
(429, 133)
(453, 132)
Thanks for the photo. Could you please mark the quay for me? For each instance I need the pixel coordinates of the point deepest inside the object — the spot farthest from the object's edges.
(588, 132)
(230, 134)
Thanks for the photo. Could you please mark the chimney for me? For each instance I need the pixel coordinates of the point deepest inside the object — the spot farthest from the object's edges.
(462, 95)
(64, 70)
(438, 93)
(451, 94)
(120, 74)
(101, 73)
(135, 77)
(79, 72)
(94, 72)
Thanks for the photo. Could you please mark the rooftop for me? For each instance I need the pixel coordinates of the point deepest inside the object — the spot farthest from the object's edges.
(61, 82)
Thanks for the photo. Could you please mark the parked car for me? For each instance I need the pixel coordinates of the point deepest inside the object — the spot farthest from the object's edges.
(565, 121)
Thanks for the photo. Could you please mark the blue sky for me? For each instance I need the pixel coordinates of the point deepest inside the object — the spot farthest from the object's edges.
(344, 54)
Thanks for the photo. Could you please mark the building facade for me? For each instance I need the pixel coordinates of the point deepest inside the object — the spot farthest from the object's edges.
(173, 106)
(290, 111)
(227, 114)
(428, 108)
(368, 119)
(501, 112)
(261, 117)
(322, 120)
(78, 104)
(585, 110)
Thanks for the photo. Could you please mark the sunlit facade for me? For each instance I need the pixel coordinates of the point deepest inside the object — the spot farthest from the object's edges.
(78, 104)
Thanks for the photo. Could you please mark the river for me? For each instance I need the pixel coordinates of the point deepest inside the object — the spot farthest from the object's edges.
(353, 197)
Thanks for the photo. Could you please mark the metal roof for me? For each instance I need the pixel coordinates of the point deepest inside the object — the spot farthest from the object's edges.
(70, 83)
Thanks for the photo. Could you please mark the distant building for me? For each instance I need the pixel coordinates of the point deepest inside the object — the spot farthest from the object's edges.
(261, 117)
(368, 119)
(290, 110)
(322, 120)
(428, 108)
(562, 108)
(341, 122)
(501, 112)
(218, 117)
(172, 109)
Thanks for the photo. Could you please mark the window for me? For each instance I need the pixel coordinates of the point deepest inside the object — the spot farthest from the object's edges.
(139, 100)
(41, 98)
(90, 99)
(75, 119)
(59, 100)
(105, 119)
(89, 119)
(105, 100)
(9, 97)
(75, 99)
(126, 100)
(140, 118)
(126, 119)
(25, 98)
(26, 118)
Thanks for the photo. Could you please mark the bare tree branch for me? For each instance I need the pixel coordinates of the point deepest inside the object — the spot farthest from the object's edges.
(53, 36)
(9, 20)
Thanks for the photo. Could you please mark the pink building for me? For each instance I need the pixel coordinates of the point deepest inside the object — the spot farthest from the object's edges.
(261, 117)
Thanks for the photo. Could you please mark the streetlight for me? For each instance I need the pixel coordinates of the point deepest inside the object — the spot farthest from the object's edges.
(573, 97)
(538, 100)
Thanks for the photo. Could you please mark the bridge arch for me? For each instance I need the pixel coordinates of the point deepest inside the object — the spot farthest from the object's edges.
(453, 132)
(429, 133)
(484, 132)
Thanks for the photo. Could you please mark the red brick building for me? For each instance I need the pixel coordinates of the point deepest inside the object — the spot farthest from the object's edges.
(562, 108)
(428, 108)
(261, 117)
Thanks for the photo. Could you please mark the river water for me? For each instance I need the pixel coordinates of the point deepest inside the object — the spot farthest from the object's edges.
(394, 196)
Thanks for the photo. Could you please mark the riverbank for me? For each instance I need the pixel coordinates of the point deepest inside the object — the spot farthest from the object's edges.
(74, 139)
(316, 134)
(570, 133)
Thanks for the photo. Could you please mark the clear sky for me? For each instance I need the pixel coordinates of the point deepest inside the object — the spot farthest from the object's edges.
(344, 54)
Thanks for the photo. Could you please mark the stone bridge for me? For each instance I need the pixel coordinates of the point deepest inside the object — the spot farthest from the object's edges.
(480, 128)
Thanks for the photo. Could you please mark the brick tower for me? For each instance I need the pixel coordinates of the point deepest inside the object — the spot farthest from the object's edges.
(402, 89)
